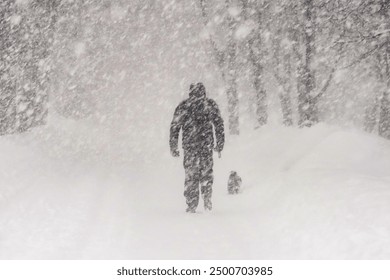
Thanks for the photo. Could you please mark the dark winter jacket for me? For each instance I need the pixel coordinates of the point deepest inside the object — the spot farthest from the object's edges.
(196, 116)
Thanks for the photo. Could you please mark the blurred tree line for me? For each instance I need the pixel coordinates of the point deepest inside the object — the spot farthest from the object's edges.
(302, 45)
(296, 50)
(26, 36)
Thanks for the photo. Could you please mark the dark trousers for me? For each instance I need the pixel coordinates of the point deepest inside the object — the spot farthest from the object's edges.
(198, 166)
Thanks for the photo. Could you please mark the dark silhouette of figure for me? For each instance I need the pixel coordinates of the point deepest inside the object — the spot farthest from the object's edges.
(196, 117)
(234, 183)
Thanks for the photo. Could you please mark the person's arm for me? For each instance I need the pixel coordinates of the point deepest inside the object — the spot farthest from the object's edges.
(175, 130)
(218, 126)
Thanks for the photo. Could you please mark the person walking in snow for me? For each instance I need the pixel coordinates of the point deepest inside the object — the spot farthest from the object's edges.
(196, 117)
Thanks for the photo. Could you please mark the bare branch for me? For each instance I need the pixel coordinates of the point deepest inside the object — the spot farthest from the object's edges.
(219, 55)
(364, 56)
(332, 71)
(326, 85)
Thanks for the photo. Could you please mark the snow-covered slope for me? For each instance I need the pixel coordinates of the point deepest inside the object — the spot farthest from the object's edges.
(318, 193)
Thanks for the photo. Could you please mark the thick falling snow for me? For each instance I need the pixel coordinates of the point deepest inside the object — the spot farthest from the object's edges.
(296, 100)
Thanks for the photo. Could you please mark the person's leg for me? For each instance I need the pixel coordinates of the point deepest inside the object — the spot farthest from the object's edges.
(191, 184)
(206, 178)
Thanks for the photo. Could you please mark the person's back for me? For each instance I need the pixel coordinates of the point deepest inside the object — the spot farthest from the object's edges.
(197, 116)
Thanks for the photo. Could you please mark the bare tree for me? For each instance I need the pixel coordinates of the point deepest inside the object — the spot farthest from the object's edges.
(26, 35)
(307, 105)
(7, 75)
(226, 61)
(372, 37)
(255, 11)
(314, 39)
(384, 57)
(282, 58)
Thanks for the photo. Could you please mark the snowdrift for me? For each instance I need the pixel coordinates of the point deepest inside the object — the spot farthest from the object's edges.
(102, 193)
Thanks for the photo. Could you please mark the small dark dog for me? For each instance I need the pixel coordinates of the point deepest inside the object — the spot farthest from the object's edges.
(234, 183)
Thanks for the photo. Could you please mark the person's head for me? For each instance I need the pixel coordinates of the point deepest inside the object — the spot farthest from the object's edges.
(197, 90)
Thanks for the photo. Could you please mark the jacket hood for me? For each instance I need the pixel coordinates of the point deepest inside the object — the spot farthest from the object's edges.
(197, 91)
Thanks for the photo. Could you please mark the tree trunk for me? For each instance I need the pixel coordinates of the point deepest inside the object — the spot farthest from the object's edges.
(256, 58)
(226, 63)
(232, 94)
(231, 77)
(384, 115)
(33, 89)
(24, 69)
(257, 70)
(283, 75)
(285, 102)
(307, 104)
(7, 75)
(261, 96)
(233, 109)
(285, 97)
(371, 116)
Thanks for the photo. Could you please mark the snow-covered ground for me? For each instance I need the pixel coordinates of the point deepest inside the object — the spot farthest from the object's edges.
(71, 193)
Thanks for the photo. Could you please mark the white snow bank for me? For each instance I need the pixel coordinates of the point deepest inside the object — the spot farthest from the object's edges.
(318, 193)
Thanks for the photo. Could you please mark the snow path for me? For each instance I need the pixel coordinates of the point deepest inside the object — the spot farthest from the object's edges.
(309, 194)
